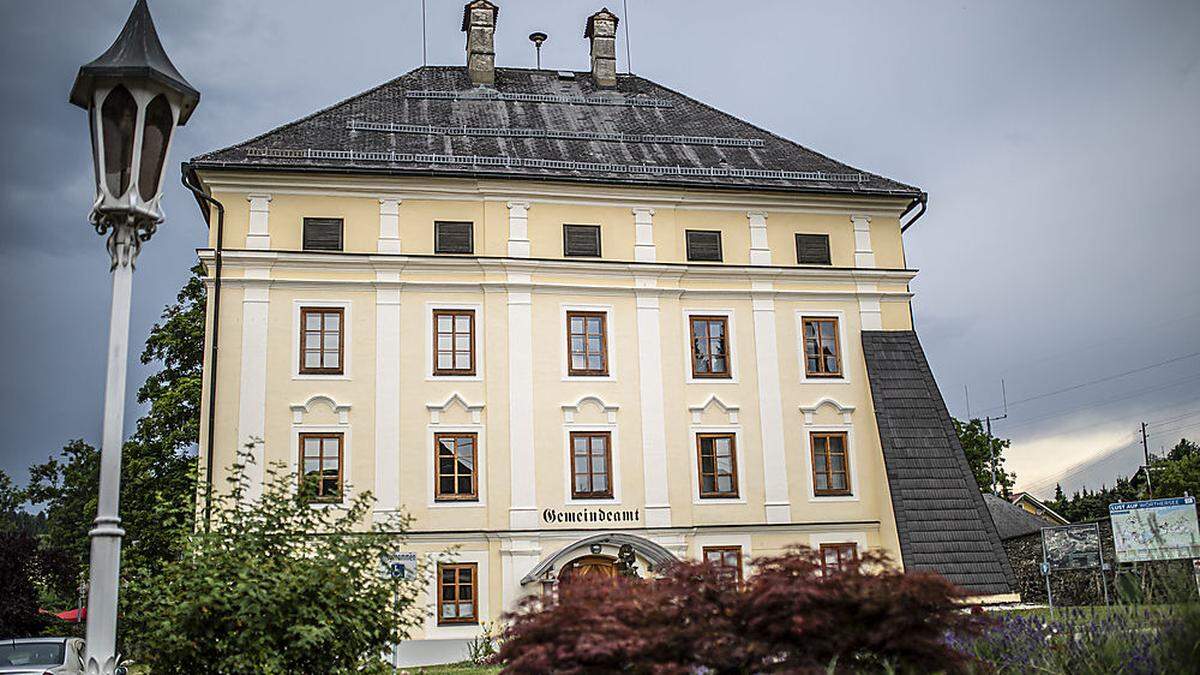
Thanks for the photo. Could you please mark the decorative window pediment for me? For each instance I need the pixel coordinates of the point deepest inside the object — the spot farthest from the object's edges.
(810, 412)
(715, 403)
(301, 411)
(436, 411)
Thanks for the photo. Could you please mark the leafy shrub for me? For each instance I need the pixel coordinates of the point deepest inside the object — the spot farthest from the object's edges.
(787, 617)
(264, 593)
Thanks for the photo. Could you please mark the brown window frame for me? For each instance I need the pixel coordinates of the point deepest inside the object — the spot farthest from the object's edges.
(438, 495)
(305, 312)
(839, 548)
(828, 260)
(453, 314)
(341, 455)
(829, 472)
(837, 347)
(588, 372)
(304, 234)
(734, 493)
(722, 551)
(710, 319)
(608, 465)
(458, 585)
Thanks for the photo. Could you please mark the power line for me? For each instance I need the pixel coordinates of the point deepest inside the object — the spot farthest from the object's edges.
(1079, 467)
(1105, 402)
(1089, 383)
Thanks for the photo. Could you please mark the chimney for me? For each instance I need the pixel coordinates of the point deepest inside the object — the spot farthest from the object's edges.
(602, 29)
(479, 23)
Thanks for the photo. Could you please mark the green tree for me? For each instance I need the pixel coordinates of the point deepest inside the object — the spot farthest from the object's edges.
(277, 586)
(1177, 473)
(985, 455)
(158, 475)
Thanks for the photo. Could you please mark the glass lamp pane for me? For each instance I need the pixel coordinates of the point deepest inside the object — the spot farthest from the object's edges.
(118, 116)
(156, 133)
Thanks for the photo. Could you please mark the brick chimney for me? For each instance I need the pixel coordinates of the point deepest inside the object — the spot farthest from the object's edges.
(602, 30)
(479, 23)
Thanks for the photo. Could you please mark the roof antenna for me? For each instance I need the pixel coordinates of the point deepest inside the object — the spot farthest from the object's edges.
(628, 58)
(537, 38)
(424, 58)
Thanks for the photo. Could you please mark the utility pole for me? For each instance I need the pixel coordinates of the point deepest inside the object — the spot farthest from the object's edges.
(991, 446)
(1146, 456)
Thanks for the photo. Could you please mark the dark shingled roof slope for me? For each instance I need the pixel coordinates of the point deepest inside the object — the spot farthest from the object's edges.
(501, 133)
(943, 523)
(1013, 521)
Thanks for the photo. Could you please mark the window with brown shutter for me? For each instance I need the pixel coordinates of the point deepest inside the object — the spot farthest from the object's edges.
(728, 560)
(456, 472)
(591, 465)
(453, 237)
(703, 245)
(321, 343)
(831, 463)
(710, 346)
(822, 348)
(453, 342)
(718, 465)
(812, 249)
(458, 588)
(587, 343)
(835, 557)
(321, 467)
(322, 234)
(581, 241)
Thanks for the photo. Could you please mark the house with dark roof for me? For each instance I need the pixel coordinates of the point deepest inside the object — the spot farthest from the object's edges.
(560, 317)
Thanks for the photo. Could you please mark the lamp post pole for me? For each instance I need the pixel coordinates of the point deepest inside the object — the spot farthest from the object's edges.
(105, 567)
(135, 98)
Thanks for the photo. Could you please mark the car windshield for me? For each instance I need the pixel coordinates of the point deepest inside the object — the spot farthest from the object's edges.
(31, 654)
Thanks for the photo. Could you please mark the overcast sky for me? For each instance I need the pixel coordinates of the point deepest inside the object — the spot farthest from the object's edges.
(1059, 143)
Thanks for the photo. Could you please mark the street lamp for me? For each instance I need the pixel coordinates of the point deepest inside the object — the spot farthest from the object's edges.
(135, 98)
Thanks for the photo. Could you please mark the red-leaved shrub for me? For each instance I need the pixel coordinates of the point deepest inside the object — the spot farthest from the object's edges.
(786, 617)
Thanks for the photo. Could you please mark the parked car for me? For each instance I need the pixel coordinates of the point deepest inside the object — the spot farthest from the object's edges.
(41, 656)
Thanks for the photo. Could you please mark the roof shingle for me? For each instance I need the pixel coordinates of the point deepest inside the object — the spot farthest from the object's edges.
(941, 518)
(545, 125)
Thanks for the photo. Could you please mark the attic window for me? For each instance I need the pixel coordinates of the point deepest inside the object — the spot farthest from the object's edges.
(581, 241)
(703, 245)
(322, 234)
(453, 237)
(812, 249)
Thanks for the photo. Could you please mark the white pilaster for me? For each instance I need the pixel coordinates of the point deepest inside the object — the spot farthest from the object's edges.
(760, 251)
(654, 432)
(643, 234)
(870, 313)
(522, 512)
(518, 556)
(518, 229)
(258, 234)
(864, 256)
(766, 348)
(389, 225)
(252, 394)
(387, 392)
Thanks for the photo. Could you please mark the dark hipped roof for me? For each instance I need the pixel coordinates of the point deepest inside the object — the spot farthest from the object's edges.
(546, 125)
(941, 518)
(1013, 521)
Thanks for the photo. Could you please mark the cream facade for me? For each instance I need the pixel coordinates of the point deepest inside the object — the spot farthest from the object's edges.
(521, 402)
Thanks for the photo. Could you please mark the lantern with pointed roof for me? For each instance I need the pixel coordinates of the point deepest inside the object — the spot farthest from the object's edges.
(135, 98)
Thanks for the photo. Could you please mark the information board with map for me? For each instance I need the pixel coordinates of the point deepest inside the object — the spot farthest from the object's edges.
(1155, 529)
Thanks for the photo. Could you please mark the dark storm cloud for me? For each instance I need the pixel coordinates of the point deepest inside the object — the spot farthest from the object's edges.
(1058, 142)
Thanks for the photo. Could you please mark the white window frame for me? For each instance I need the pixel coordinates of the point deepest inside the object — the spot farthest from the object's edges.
(739, 453)
(483, 591)
(610, 347)
(807, 463)
(480, 465)
(734, 352)
(347, 342)
(843, 345)
(430, 306)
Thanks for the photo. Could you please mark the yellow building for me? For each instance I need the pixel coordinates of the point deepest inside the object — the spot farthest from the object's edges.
(552, 313)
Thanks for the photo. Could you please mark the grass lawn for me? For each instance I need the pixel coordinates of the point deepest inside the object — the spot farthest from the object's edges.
(464, 668)
(1094, 612)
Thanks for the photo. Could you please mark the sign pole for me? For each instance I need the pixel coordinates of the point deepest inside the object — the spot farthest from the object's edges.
(1049, 594)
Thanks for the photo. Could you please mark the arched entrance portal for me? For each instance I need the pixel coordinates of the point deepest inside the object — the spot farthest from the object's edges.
(589, 567)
